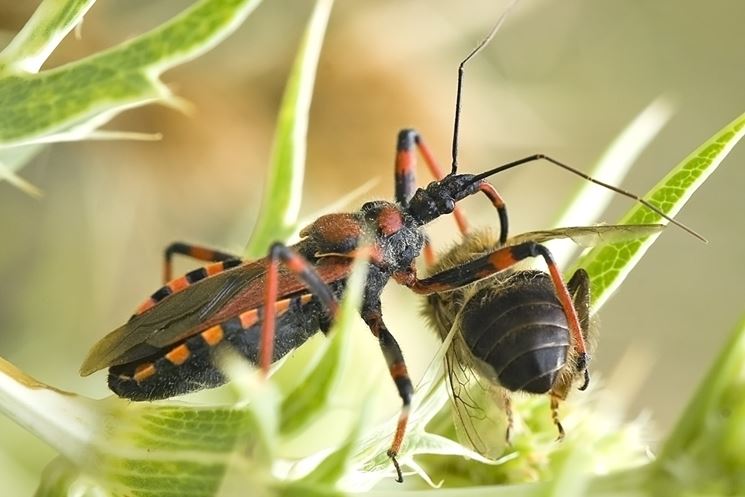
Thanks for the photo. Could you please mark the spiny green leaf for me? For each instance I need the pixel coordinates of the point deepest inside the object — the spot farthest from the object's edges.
(51, 22)
(608, 265)
(284, 187)
(138, 448)
(89, 92)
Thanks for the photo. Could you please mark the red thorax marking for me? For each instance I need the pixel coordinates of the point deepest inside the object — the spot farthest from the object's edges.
(389, 220)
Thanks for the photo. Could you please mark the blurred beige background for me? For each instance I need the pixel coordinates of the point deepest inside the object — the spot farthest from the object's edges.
(561, 78)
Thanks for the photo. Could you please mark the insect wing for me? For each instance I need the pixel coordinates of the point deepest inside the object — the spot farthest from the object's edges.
(590, 236)
(176, 317)
(477, 403)
(194, 309)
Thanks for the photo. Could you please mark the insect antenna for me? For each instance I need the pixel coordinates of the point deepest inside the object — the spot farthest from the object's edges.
(589, 178)
(461, 70)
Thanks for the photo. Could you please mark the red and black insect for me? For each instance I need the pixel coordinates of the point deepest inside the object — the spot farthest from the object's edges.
(267, 307)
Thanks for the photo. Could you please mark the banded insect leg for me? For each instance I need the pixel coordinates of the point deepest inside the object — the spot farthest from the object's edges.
(506, 402)
(408, 141)
(372, 315)
(221, 262)
(579, 288)
(302, 269)
(555, 400)
(405, 180)
(198, 252)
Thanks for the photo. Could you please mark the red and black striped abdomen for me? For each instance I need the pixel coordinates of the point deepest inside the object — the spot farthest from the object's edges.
(188, 365)
(519, 330)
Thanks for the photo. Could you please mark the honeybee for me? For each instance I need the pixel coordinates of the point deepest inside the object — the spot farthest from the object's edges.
(511, 332)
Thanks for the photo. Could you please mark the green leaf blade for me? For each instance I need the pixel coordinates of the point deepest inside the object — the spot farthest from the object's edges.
(609, 265)
(94, 89)
(309, 399)
(48, 26)
(279, 211)
(706, 444)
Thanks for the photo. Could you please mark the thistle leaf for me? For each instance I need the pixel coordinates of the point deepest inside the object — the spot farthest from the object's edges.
(608, 265)
(71, 101)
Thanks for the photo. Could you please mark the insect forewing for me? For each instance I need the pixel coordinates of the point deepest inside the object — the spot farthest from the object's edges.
(205, 303)
(175, 318)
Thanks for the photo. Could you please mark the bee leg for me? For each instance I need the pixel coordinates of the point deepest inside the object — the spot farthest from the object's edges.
(579, 288)
(495, 262)
(371, 314)
(194, 251)
(304, 271)
(507, 406)
(555, 399)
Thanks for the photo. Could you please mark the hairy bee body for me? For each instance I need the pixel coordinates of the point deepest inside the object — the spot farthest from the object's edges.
(510, 328)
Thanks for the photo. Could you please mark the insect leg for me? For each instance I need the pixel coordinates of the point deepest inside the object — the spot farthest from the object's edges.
(372, 315)
(178, 284)
(303, 270)
(430, 257)
(408, 139)
(499, 260)
(555, 415)
(506, 403)
(579, 288)
(194, 251)
(498, 202)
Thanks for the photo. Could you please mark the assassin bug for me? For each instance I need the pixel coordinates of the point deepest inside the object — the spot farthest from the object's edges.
(267, 307)
(511, 330)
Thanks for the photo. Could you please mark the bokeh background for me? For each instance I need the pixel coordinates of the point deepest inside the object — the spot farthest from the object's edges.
(562, 78)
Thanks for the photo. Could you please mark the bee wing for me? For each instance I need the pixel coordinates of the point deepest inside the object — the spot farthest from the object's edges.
(476, 422)
(195, 308)
(589, 236)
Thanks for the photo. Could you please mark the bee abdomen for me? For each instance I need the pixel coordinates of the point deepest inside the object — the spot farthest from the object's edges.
(520, 332)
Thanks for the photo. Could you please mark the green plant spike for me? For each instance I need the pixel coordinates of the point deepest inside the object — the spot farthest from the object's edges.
(609, 265)
(278, 215)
